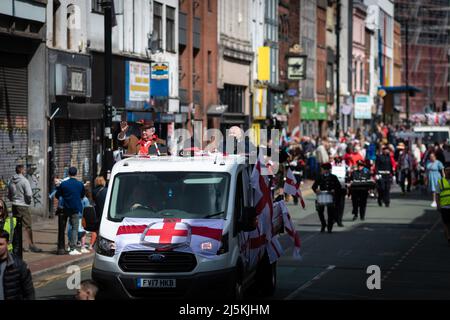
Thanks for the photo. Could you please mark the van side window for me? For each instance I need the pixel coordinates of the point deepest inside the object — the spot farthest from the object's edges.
(238, 203)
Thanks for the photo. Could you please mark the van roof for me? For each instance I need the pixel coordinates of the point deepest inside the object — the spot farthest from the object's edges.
(180, 164)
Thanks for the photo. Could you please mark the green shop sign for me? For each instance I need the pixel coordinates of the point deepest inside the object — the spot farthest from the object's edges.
(314, 110)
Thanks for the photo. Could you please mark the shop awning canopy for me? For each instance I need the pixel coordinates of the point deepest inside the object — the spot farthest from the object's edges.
(400, 89)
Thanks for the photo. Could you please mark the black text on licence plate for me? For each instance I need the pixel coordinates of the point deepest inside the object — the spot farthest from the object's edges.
(156, 283)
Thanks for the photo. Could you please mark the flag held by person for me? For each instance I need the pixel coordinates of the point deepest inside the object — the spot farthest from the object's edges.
(292, 187)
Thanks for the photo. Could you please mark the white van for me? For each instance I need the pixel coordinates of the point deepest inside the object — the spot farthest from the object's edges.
(182, 188)
(433, 134)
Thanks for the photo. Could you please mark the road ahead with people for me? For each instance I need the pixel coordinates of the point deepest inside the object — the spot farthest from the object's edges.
(405, 240)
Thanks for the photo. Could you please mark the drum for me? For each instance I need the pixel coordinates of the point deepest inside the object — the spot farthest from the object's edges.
(363, 185)
(324, 198)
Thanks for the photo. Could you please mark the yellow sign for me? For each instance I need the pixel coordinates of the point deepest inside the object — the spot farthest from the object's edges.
(256, 132)
(264, 64)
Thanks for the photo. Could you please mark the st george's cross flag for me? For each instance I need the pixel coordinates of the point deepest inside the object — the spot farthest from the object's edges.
(198, 236)
(292, 187)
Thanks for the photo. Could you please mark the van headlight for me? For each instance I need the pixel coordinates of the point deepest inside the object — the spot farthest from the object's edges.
(105, 247)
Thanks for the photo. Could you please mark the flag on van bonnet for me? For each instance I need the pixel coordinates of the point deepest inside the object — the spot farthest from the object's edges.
(292, 187)
(198, 236)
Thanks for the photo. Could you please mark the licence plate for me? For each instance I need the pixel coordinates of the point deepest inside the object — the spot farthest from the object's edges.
(156, 283)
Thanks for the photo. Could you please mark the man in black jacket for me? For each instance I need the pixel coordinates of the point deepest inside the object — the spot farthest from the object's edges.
(15, 277)
(359, 190)
(327, 182)
(385, 171)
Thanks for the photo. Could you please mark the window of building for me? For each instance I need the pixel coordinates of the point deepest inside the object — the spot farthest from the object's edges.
(209, 67)
(234, 97)
(361, 76)
(209, 6)
(170, 29)
(157, 21)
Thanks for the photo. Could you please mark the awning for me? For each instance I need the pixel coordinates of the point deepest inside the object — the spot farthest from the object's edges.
(400, 89)
(78, 111)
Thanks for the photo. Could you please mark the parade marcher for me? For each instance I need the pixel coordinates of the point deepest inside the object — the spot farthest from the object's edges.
(330, 183)
(72, 191)
(434, 172)
(339, 169)
(20, 194)
(384, 171)
(15, 277)
(443, 202)
(8, 223)
(359, 189)
(406, 168)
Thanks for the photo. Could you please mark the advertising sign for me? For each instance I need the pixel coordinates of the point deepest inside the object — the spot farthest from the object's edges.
(160, 80)
(363, 107)
(311, 110)
(138, 81)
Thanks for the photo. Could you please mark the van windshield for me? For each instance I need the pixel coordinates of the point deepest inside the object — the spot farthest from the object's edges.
(185, 195)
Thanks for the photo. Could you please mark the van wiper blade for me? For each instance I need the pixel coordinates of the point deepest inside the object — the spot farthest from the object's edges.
(213, 215)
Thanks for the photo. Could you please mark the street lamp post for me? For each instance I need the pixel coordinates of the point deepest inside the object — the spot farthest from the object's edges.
(338, 59)
(108, 143)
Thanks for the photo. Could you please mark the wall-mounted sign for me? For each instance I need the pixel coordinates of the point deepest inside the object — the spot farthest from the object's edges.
(76, 81)
(160, 79)
(363, 107)
(297, 68)
(260, 104)
(311, 110)
(137, 81)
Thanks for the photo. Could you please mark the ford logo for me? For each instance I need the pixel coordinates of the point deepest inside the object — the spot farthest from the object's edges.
(156, 257)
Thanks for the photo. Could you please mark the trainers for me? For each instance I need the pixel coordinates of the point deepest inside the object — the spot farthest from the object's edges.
(84, 250)
(434, 204)
(74, 252)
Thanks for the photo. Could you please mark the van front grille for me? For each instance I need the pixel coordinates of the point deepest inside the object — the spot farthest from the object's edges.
(151, 261)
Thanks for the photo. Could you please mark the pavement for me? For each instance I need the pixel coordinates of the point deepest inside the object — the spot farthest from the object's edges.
(45, 235)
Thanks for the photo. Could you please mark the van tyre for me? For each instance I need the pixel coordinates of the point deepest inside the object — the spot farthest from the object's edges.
(266, 280)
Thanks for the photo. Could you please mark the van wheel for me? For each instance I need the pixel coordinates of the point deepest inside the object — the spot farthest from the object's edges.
(267, 277)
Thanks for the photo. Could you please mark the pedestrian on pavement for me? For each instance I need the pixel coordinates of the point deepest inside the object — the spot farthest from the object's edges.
(9, 223)
(88, 290)
(435, 170)
(330, 183)
(384, 173)
(15, 277)
(443, 202)
(20, 194)
(359, 189)
(72, 191)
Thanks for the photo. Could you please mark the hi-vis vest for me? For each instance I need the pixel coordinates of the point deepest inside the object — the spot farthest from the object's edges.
(444, 196)
(7, 227)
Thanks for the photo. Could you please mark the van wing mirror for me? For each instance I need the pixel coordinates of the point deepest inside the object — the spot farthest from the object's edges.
(249, 220)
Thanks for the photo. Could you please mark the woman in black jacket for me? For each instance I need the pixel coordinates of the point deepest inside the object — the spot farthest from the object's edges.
(15, 277)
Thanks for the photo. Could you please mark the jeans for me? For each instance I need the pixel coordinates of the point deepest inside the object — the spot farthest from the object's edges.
(405, 175)
(62, 223)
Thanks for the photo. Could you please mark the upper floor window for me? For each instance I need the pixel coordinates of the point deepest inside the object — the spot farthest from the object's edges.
(170, 29)
(157, 21)
(97, 6)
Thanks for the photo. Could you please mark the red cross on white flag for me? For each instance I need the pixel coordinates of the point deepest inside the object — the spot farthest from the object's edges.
(292, 187)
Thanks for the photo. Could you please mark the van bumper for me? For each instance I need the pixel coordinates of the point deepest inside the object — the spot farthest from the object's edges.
(196, 286)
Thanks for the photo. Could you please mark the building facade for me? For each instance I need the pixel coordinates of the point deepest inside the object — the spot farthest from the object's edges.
(23, 91)
(235, 62)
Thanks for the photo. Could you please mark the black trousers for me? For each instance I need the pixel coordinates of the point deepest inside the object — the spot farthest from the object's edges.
(331, 210)
(384, 190)
(405, 175)
(340, 206)
(359, 201)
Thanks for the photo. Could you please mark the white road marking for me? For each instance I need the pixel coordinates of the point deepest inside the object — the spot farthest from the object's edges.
(309, 283)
